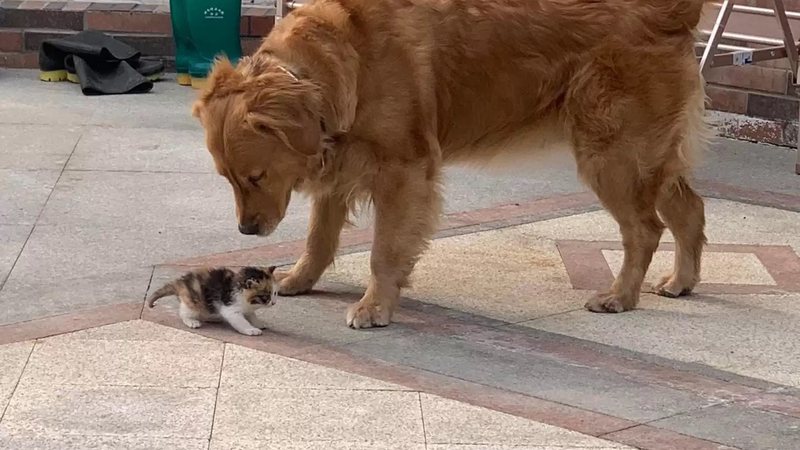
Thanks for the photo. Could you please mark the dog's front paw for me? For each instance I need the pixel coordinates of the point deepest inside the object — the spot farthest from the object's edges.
(368, 315)
(610, 303)
(290, 284)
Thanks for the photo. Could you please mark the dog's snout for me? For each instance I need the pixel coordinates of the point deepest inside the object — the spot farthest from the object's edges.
(248, 228)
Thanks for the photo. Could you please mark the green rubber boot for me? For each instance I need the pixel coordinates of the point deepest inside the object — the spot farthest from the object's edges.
(214, 29)
(185, 52)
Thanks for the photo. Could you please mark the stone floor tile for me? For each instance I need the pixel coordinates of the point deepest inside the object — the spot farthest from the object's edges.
(529, 373)
(245, 368)
(451, 422)
(112, 199)
(54, 410)
(718, 267)
(515, 447)
(160, 112)
(66, 107)
(727, 222)
(23, 194)
(737, 426)
(134, 330)
(12, 360)
(142, 150)
(32, 441)
(766, 343)
(12, 239)
(501, 274)
(318, 415)
(75, 292)
(300, 444)
(125, 363)
(36, 146)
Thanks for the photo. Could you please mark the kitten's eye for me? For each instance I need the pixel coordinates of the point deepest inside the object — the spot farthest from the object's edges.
(254, 179)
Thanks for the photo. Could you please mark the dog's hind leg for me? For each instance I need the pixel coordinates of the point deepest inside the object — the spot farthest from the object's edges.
(631, 199)
(407, 206)
(683, 211)
(328, 216)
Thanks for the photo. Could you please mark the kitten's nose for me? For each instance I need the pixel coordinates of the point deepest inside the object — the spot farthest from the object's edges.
(248, 228)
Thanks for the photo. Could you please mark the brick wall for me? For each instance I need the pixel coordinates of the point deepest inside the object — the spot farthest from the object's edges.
(146, 27)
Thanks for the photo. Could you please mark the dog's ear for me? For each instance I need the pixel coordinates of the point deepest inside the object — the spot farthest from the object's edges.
(222, 80)
(288, 109)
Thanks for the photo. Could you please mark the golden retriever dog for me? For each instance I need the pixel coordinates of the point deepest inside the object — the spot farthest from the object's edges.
(367, 100)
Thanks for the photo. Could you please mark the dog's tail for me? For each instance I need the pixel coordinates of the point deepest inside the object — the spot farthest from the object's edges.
(164, 291)
(674, 16)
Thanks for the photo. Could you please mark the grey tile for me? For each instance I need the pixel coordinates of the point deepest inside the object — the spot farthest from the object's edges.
(124, 200)
(152, 110)
(142, 149)
(766, 344)
(125, 363)
(36, 146)
(12, 238)
(24, 97)
(47, 410)
(738, 426)
(26, 296)
(23, 193)
(318, 415)
(529, 374)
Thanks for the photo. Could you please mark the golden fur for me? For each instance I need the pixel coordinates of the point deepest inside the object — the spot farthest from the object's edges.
(366, 100)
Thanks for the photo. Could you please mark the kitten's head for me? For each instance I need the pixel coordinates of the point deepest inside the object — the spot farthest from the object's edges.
(256, 285)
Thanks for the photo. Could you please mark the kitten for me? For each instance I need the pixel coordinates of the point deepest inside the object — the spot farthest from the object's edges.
(221, 294)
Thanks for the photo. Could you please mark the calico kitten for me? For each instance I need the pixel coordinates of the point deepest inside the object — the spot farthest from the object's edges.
(208, 295)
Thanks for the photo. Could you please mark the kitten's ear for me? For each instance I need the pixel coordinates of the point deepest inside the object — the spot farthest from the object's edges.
(249, 284)
(271, 270)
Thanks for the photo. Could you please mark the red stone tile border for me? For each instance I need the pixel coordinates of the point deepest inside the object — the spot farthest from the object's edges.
(68, 323)
(724, 191)
(588, 269)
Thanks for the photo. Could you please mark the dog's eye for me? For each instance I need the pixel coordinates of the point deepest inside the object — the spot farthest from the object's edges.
(254, 179)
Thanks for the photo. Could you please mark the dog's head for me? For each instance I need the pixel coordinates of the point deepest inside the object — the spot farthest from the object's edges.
(262, 127)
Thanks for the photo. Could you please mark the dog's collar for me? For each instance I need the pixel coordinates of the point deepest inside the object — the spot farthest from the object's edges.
(294, 76)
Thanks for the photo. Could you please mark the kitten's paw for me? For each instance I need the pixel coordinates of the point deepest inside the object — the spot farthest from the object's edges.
(251, 332)
(192, 323)
(259, 324)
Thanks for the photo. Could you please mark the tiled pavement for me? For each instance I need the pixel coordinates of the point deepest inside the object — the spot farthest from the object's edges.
(101, 199)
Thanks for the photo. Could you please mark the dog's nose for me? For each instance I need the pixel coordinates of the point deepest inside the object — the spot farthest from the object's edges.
(248, 228)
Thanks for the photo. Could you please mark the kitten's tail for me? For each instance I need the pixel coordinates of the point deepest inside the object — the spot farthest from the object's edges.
(164, 291)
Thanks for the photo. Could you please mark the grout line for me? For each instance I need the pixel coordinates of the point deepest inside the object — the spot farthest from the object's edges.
(216, 398)
(147, 291)
(21, 374)
(41, 211)
(422, 417)
(172, 172)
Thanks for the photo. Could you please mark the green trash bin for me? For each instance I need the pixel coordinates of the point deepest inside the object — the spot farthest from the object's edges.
(211, 30)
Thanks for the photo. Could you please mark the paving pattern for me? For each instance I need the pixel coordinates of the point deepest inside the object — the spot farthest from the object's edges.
(103, 198)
